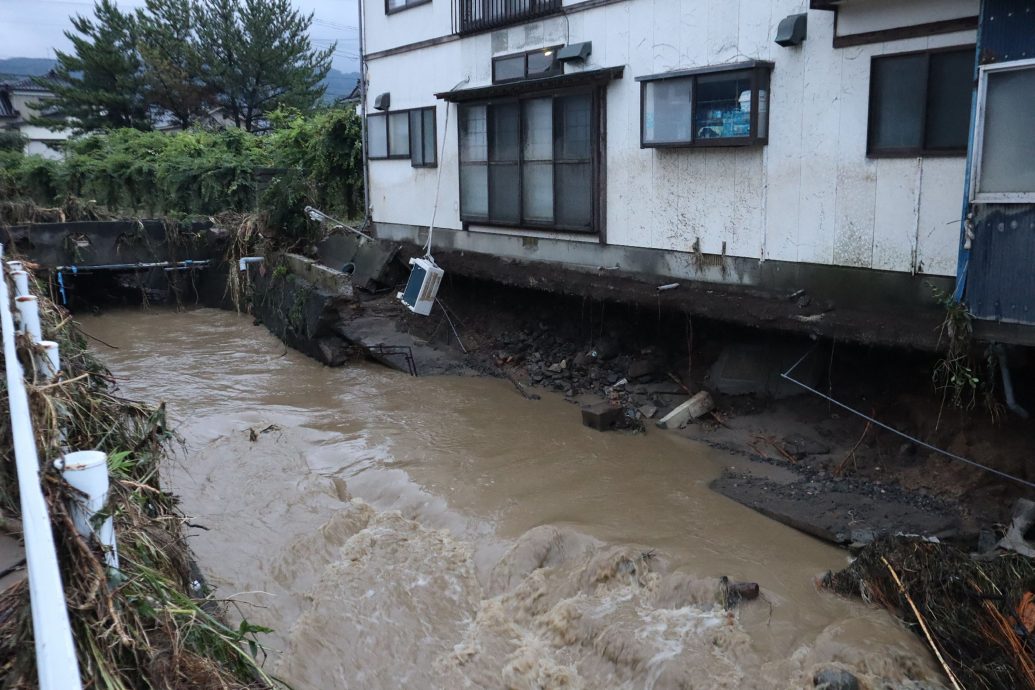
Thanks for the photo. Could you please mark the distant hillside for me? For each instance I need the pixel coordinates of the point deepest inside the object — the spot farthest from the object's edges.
(339, 84)
(25, 67)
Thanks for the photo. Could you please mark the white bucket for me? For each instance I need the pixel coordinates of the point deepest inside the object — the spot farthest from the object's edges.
(21, 283)
(48, 363)
(15, 266)
(87, 471)
(29, 309)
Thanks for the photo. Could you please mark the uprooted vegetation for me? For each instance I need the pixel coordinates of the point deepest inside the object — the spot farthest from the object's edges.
(977, 616)
(151, 624)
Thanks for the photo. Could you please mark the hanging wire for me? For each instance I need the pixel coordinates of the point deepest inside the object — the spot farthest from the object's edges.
(438, 181)
(924, 444)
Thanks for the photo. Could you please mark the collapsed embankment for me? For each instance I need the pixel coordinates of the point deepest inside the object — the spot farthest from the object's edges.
(150, 622)
(797, 457)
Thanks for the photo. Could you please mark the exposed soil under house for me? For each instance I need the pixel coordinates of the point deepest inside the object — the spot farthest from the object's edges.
(793, 455)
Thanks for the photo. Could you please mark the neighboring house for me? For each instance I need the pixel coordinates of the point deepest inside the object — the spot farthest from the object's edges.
(662, 141)
(213, 119)
(18, 104)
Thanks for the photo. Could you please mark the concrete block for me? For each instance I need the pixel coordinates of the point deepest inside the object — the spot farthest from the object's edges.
(640, 368)
(368, 260)
(327, 279)
(1015, 538)
(698, 405)
(601, 416)
(756, 368)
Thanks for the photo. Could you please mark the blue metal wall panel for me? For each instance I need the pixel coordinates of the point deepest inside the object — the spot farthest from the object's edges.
(1000, 280)
(1002, 263)
(1007, 31)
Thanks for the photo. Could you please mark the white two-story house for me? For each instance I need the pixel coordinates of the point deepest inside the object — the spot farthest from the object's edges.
(760, 146)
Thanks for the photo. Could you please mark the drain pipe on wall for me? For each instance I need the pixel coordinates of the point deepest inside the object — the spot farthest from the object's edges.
(1011, 402)
(363, 114)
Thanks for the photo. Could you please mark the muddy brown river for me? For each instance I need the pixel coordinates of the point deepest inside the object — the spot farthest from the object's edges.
(446, 533)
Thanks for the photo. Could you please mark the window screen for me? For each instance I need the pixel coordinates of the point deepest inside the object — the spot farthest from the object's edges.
(422, 137)
(920, 102)
(666, 110)
(398, 135)
(1008, 146)
(377, 136)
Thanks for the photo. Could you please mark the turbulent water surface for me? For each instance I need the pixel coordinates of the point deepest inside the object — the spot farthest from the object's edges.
(446, 533)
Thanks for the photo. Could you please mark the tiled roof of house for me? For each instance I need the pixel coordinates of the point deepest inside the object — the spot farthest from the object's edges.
(6, 109)
(26, 84)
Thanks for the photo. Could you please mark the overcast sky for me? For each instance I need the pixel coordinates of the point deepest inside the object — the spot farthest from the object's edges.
(34, 28)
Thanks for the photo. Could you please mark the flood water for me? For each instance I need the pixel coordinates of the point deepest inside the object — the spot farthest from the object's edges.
(447, 533)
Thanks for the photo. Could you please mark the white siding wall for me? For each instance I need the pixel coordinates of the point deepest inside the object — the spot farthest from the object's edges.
(810, 195)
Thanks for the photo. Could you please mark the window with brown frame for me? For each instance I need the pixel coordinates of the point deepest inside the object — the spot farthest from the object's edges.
(533, 64)
(920, 103)
(392, 6)
(725, 105)
(403, 134)
(530, 161)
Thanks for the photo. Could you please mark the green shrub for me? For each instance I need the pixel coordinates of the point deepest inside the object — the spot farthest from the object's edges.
(316, 160)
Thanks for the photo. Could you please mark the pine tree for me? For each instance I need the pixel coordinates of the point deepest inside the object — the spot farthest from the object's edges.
(99, 84)
(171, 60)
(257, 57)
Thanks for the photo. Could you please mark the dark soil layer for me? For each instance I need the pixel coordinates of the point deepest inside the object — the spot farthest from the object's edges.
(812, 464)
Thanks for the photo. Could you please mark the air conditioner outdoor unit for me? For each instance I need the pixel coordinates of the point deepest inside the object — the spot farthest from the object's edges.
(421, 288)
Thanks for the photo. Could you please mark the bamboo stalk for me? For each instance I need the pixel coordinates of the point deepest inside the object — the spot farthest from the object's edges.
(923, 625)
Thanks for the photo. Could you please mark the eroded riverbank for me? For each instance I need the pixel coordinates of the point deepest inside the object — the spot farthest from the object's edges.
(445, 532)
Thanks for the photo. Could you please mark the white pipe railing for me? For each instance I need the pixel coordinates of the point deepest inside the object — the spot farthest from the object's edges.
(243, 262)
(56, 661)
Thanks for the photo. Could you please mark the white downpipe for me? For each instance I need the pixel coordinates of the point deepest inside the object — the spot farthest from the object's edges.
(29, 309)
(243, 262)
(87, 471)
(21, 282)
(48, 362)
(56, 662)
(15, 266)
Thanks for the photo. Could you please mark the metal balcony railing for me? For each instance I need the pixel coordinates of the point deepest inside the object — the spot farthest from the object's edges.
(478, 15)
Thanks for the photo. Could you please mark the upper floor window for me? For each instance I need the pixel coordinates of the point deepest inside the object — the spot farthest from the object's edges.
(530, 162)
(400, 5)
(403, 134)
(1003, 143)
(534, 64)
(726, 105)
(920, 103)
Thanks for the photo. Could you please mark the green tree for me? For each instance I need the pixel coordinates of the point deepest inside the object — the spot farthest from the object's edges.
(257, 57)
(99, 84)
(171, 60)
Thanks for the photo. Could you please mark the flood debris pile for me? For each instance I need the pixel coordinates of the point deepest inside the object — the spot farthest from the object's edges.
(977, 615)
(150, 624)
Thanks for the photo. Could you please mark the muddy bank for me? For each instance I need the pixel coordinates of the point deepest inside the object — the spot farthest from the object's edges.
(795, 458)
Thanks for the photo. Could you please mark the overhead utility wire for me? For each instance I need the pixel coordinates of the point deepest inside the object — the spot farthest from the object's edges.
(924, 444)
